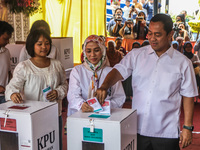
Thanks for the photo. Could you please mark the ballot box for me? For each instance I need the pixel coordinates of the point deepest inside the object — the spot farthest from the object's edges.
(87, 131)
(32, 125)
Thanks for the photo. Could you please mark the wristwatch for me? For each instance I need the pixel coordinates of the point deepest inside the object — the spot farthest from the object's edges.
(191, 128)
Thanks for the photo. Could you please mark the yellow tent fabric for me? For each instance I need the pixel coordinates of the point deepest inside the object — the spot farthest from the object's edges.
(74, 18)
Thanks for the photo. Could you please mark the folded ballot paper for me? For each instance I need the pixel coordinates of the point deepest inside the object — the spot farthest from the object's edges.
(99, 109)
(94, 103)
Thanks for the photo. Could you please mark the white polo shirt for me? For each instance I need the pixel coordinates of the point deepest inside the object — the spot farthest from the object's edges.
(158, 86)
(4, 66)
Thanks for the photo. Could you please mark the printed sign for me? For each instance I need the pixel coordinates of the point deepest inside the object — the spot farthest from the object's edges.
(9, 126)
(96, 136)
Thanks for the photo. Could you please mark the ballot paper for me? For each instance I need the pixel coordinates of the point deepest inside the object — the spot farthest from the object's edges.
(45, 92)
(106, 108)
(94, 103)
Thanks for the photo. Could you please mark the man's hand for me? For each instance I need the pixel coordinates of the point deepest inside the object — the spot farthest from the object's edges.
(185, 138)
(101, 94)
(16, 98)
(2, 89)
(86, 108)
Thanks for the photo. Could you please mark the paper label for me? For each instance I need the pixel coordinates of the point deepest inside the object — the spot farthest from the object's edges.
(10, 124)
(19, 107)
(94, 103)
(96, 136)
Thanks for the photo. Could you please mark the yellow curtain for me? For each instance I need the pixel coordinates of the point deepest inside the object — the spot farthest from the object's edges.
(74, 18)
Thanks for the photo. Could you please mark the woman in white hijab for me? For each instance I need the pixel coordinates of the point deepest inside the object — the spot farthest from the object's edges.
(87, 77)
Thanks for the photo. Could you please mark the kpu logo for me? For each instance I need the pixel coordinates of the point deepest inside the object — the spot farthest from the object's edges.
(44, 140)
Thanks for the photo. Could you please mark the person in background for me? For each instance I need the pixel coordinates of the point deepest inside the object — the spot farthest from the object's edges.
(5, 68)
(126, 9)
(134, 9)
(136, 45)
(87, 77)
(133, 12)
(183, 33)
(181, 19)
(116, 17)
(118, 42)
(113, 55)
(114, 30)
(185, 14)
(40, 24)
(195, 61)
(175, 45)
(138, 6)
(145, 43)
(127, 30)
(32, 76)
(197, 47)
(149, 6)
(141, 27)
(180, 43)
(180, 30)
(115, 4)
(162, 79)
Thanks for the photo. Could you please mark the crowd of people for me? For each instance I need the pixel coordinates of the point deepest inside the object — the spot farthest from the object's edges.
(132, 21)
(162, 72)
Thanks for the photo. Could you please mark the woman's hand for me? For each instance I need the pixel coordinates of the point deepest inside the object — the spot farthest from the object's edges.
(52, 95)
(16, 98)
(86, 108)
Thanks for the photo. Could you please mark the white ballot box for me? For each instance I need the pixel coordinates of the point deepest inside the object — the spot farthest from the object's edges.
(32, 125)
(117, 132)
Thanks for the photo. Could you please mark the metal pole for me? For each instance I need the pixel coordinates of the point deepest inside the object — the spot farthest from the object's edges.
(155, 7)
(167, 6)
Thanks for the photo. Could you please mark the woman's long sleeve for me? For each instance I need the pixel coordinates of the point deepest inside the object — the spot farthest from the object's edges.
(16, 84)
(74, 94)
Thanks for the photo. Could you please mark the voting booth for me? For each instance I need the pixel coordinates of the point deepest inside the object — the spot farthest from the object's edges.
(64, 45)
(14, 50)
(32, 125)
(87, 131)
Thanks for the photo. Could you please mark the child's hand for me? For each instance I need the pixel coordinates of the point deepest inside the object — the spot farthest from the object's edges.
(52, 95)
(16, 98)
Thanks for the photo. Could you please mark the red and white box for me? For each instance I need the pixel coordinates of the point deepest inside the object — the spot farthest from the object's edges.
(32, 125)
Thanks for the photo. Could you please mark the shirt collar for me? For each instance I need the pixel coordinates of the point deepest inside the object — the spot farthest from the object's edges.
(169, 52)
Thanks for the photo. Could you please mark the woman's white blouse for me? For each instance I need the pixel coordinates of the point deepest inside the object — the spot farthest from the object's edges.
(30, 80)
(79, 84)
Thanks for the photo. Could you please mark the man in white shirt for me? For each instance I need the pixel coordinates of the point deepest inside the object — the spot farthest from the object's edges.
(161, 78)
(5, 69)
(127, 9)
